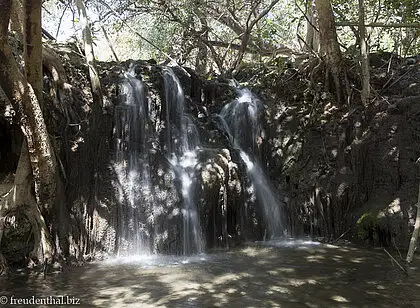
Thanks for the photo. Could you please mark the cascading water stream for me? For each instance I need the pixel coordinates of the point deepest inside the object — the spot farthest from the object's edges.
(240, 120)
(142, 222)
(132, 164)
(182, 142)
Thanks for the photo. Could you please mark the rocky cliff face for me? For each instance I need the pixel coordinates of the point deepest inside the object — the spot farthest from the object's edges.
(333, 170)
(127, 213)
(346, 170)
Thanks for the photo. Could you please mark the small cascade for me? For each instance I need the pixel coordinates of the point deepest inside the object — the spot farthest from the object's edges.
(265, 194)
(159, 204)
(241, 121)
(131, 164)
(182, 141)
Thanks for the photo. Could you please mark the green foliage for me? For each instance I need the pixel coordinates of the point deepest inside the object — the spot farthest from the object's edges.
(180, 27)
(404, 10)
(404, 41)
(367, 226)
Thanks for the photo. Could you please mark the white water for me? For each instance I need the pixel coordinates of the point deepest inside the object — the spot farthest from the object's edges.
(240, 119)
(150, 261)
(265, 194)
(132, 165)
(182, 143)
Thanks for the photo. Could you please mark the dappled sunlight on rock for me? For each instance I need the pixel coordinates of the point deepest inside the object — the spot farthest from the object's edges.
(286, 270)
(278, 289)
(296, 282)
(317, 258)
(339, 299)
(358, 260)
(312, 281)
(226, 278)
(337, 259)
(280, 270)
(273, 304)
(251, 251)
(231, 290)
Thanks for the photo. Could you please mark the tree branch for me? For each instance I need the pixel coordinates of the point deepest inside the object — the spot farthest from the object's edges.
(61, 19)
(263, 13)
(143, 38)
(249, 26)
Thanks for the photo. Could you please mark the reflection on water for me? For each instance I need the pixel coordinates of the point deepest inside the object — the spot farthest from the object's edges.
(149, 260)
(298, 243)
(275, 274)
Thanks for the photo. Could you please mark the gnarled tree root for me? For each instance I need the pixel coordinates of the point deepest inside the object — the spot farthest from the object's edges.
(20, 196)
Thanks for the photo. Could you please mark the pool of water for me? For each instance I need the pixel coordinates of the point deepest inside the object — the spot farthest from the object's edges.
(270, 274)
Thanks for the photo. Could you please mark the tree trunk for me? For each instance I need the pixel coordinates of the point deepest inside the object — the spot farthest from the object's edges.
(42, 158)
(23, 185)
(330, 49)
(416, 232)
(26, 105)
(364, 55)
(201, 59)
(312, 34)
(89, 53)
(16, 18)
(33, 46)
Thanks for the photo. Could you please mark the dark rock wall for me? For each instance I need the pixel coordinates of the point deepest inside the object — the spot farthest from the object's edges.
(331, 166)
(227, 213)
(334, 164)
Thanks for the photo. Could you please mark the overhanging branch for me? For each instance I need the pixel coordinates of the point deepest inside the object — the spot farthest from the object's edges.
(280, 50)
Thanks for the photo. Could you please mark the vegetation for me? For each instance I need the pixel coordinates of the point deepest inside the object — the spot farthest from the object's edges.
(366, 227)
(228, 28)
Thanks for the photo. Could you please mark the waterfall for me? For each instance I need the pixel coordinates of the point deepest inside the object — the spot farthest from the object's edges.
(158, 170)
(241, 121)
(182, 142)
(131, 164)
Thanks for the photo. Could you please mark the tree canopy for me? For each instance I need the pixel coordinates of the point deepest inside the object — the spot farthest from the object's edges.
(224, 33)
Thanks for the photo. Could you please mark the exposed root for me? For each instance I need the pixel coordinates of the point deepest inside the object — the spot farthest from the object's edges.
(20, 196)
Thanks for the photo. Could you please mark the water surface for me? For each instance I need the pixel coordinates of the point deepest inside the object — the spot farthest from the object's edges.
(273, 274)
